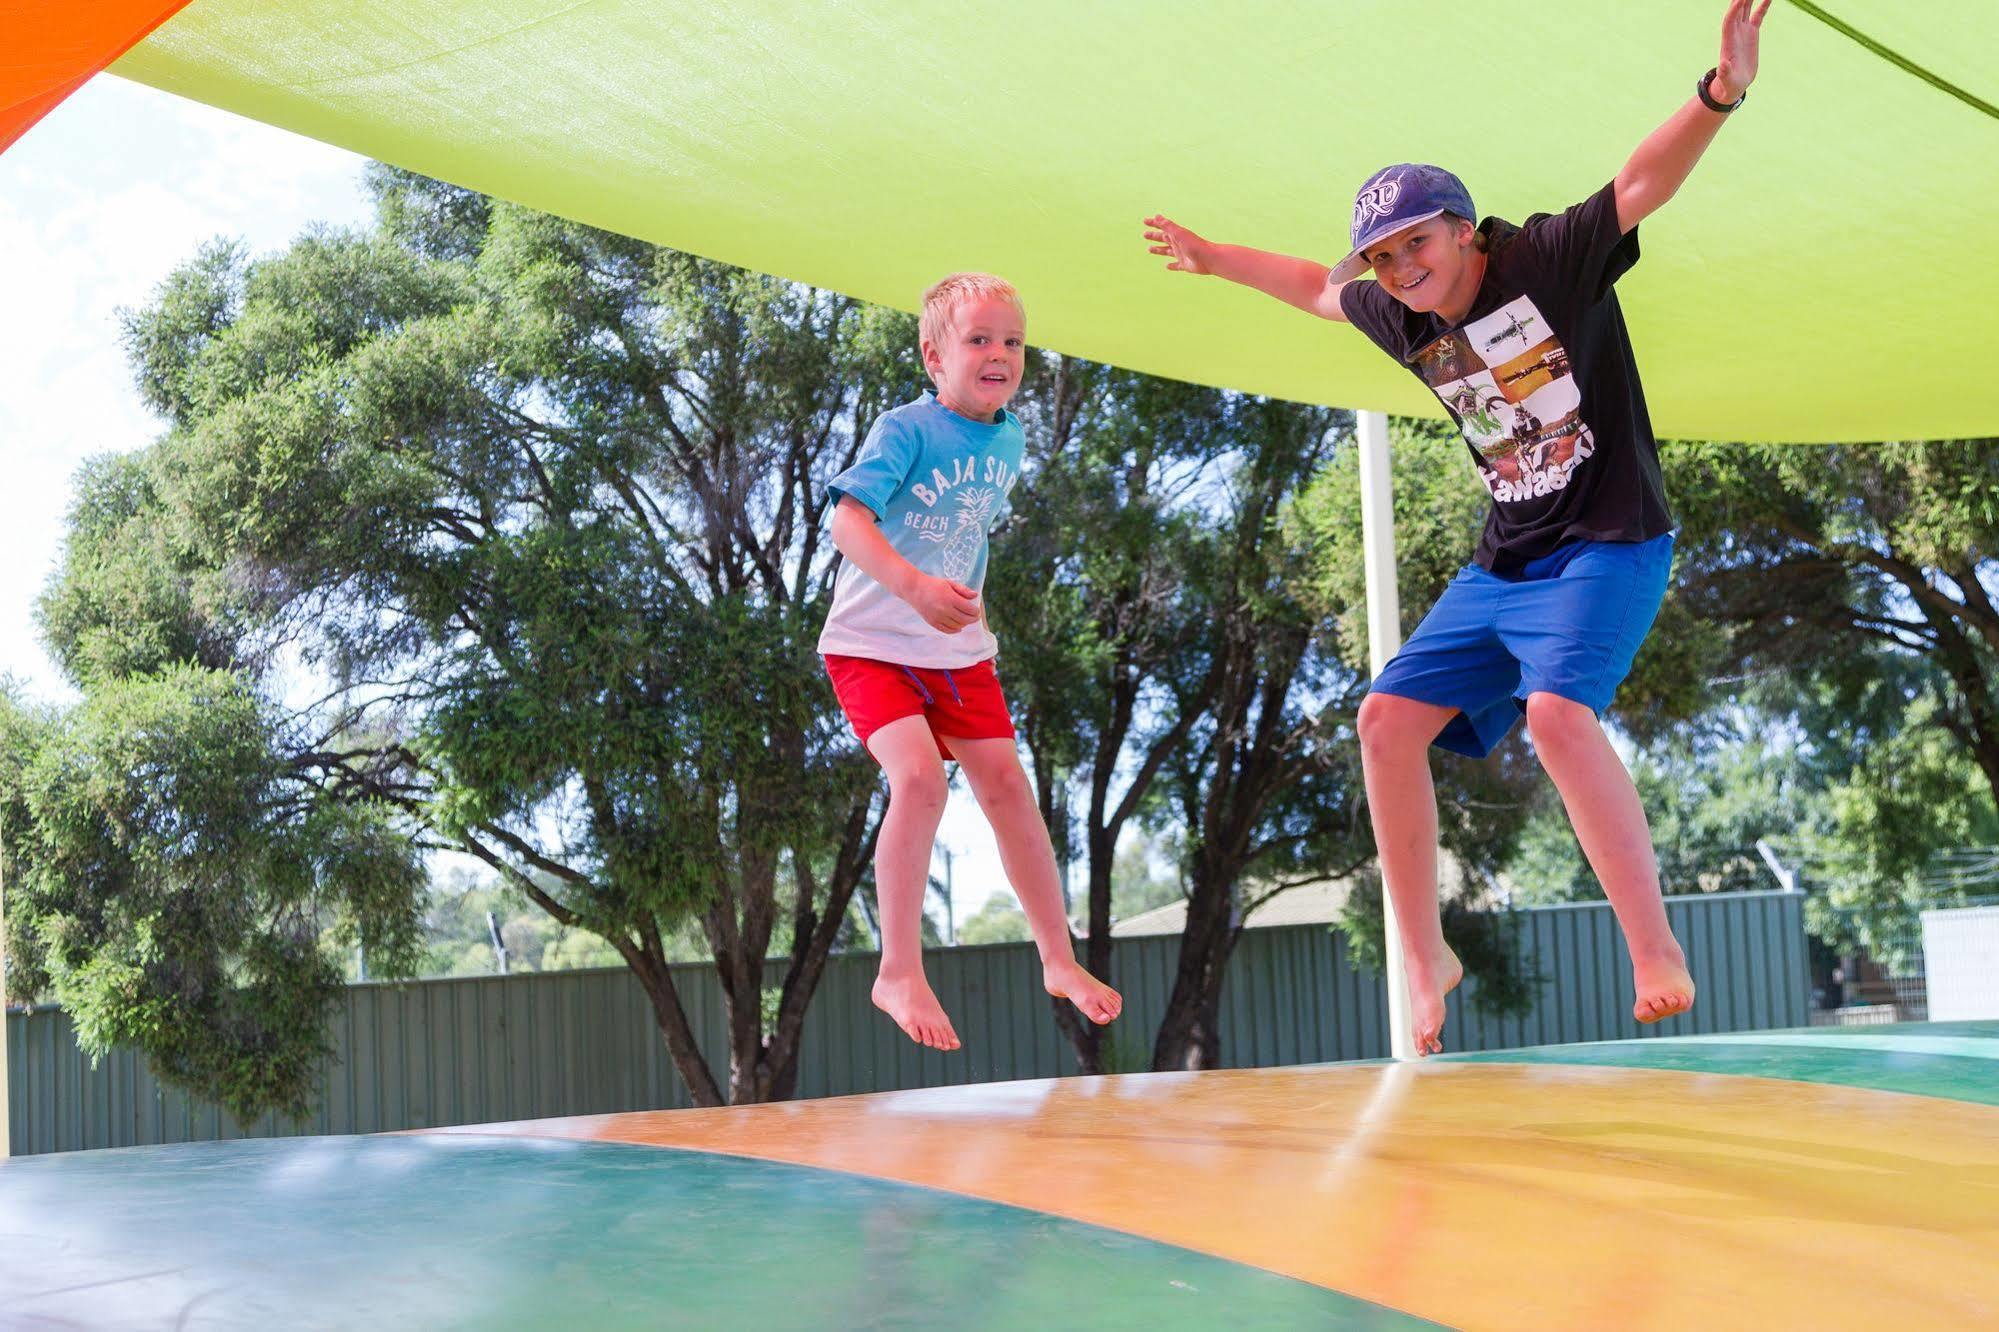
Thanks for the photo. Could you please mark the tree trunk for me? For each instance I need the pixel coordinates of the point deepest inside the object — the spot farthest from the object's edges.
(1051, 793)
(657, 980)
(1190, 1033)
(1086, 1036)
(813, 933)
(1958, 630)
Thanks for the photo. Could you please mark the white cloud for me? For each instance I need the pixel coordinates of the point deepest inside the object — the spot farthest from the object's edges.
(98, 203)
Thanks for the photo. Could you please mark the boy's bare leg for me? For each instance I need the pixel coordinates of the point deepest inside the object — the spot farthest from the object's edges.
(1395, 736)
(917, 790)
(992, 767)
(1604, 809)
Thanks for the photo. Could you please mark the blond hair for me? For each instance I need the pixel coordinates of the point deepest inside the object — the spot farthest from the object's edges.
(944, 298)
(1478, 238)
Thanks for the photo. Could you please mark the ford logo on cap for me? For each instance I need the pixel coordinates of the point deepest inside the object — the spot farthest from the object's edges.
(1397, 197)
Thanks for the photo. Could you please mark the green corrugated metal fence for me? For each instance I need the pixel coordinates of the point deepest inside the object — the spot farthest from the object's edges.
(583, 1042)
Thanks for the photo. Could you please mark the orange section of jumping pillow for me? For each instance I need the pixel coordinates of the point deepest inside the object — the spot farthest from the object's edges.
(1475, 1195)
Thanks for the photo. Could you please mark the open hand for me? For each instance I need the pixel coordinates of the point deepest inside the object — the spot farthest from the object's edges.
(945, 605)
(1741, 33)
(1185, 252)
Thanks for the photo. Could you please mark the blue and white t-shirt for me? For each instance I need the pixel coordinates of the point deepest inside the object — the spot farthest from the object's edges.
(938, 483)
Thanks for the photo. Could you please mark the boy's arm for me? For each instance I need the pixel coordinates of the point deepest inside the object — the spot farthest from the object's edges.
(1663, 162)
(943, 604)
(1299, 282)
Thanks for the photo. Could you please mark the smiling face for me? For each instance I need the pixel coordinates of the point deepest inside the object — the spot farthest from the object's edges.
(977, 356)
(1433, 265)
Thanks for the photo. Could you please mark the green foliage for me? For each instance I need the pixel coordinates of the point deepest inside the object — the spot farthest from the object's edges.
(1871, 858)
(1486, 941)
(1847, 597)
(999, 919)
(1708, 800)
(171, 878)
(458, 937)
(132, 598)
(428, 217)
(1439, 510)
(1123, 1052)
(24, 731)
(1146, 873)
(534, 513)
(1849, 564)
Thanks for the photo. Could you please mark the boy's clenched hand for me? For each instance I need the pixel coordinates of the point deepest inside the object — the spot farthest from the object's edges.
(943, 603)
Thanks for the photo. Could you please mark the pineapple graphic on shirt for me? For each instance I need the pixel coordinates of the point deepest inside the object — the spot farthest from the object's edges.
(976, 506)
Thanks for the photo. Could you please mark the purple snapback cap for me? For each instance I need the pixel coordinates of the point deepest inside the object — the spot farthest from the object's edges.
(1396, 197)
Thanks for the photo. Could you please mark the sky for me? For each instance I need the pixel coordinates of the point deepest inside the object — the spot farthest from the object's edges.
(98, 203)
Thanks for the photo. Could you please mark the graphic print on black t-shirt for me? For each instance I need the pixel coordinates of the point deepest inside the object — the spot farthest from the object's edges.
(1507, 380)
(1542, 382)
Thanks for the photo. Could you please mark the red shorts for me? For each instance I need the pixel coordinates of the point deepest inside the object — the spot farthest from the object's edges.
(964, 703)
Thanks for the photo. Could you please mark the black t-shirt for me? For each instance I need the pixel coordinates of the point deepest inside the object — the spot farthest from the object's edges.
(1540, 379)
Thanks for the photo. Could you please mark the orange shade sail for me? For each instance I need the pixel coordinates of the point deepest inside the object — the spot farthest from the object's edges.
(48, 48)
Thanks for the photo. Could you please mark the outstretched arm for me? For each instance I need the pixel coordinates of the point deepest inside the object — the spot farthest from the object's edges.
(1663, 162)
(1299, 282)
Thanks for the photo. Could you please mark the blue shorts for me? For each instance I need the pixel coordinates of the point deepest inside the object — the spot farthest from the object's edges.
(1568, 623)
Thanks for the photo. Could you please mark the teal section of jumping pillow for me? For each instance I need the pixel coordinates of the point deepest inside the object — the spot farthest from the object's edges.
(466, 1231)
(1950, 1060)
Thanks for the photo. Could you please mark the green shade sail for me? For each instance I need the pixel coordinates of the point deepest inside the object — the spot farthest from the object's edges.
(1827, 274)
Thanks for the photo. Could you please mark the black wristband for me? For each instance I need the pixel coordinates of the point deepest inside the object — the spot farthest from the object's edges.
(1707, 98)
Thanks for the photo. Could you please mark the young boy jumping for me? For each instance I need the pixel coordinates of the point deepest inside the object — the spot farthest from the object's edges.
(1518, 331)
(909, 650)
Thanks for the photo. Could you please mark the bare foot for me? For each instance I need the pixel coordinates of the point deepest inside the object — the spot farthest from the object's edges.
(1664, 987)
(1067, 980)
(909, 1000)
(1429, 981)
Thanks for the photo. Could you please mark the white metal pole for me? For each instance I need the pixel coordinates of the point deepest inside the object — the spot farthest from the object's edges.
(1384, 636)
(6, 1126)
